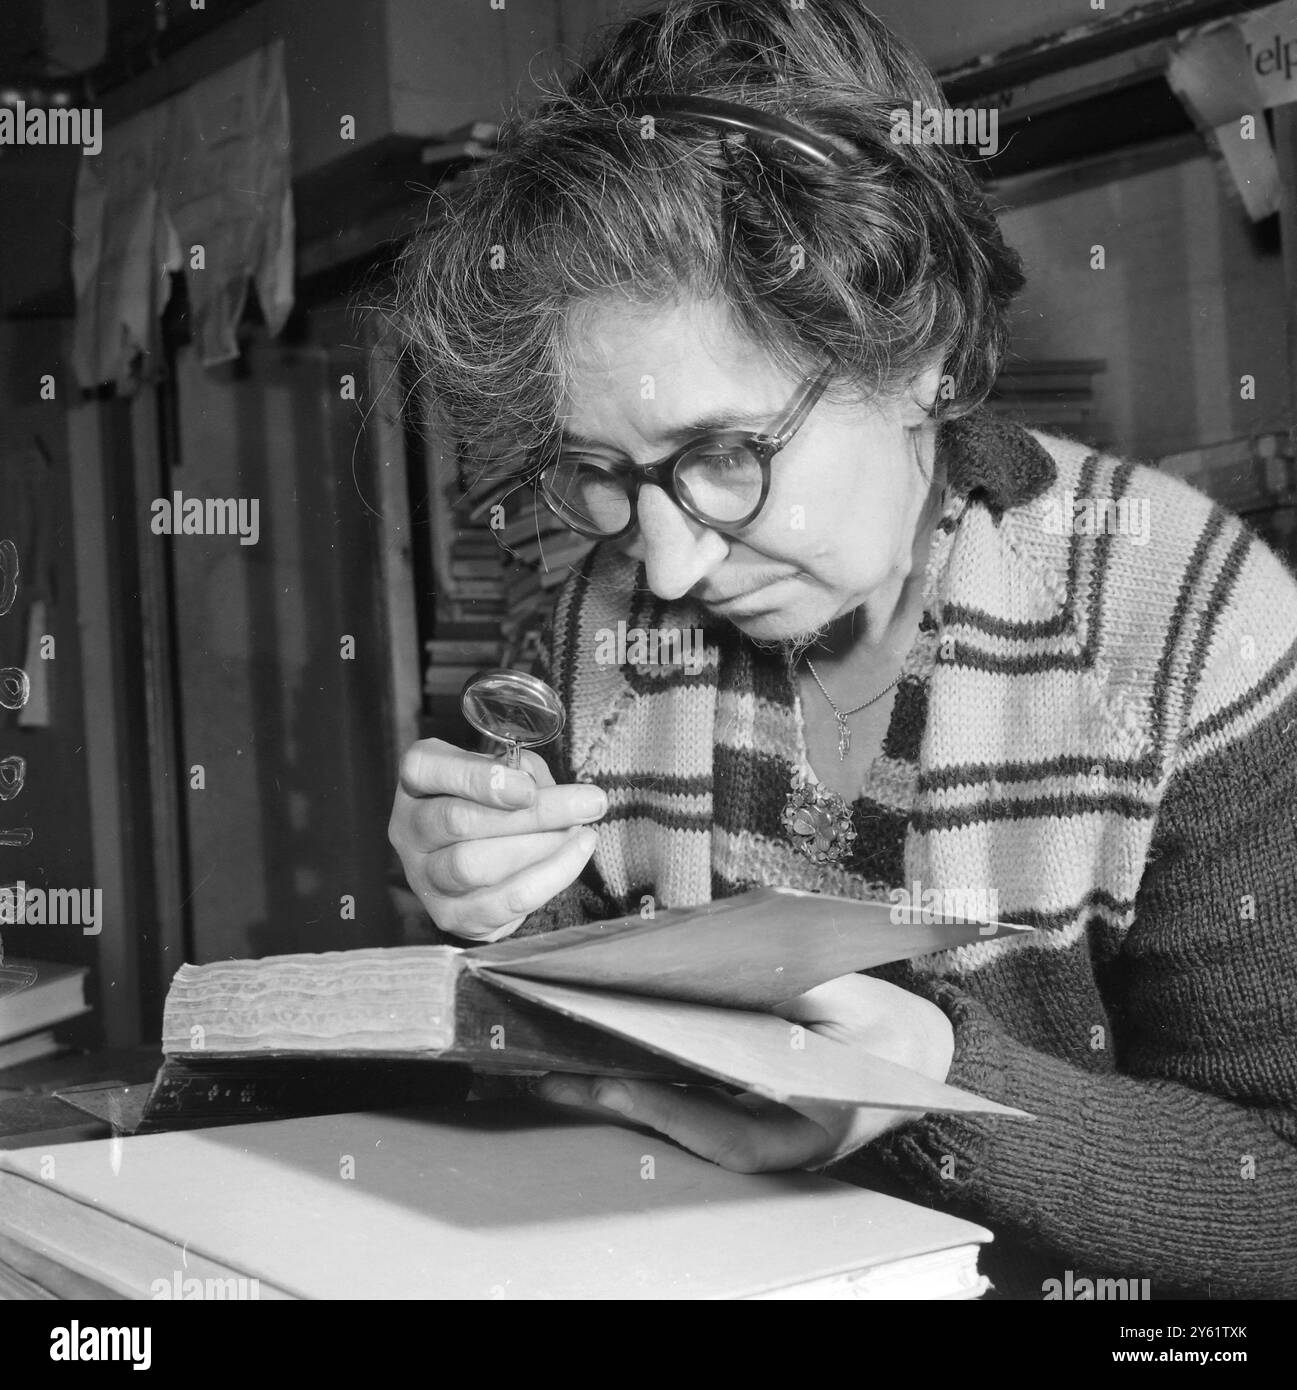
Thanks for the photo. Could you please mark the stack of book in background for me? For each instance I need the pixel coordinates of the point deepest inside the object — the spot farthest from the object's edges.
(502, 555)
(1056, 396)
(1254, 476)
(466, 144)
(35, 995)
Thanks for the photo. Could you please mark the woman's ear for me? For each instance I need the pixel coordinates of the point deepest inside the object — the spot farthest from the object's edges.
(920, 397)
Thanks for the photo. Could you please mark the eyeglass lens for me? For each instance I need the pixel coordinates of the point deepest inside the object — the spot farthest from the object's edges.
(720, 482)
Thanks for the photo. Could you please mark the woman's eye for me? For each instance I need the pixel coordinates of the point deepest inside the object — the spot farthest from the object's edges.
(721, 459)
(581, 463)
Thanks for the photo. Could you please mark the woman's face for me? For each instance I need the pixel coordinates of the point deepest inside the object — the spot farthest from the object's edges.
(845, 495)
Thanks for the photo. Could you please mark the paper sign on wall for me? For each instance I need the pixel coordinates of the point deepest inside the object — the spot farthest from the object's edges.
(1213, 75)
(1270, 36)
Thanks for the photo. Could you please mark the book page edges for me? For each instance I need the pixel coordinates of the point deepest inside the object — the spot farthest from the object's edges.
(944, 1275)
(80, 1249)
(394, 1000)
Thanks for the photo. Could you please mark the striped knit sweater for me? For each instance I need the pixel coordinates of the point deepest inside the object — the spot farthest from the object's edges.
(1102, 730)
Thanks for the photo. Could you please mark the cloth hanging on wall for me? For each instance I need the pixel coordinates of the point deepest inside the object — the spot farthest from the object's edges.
(200, 184)
(116, 266)
(227, 189)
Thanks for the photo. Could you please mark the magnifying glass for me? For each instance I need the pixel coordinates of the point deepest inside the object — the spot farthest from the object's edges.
(514, 709)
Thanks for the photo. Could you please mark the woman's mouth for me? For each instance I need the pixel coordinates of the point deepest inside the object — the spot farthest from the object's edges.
(744, 602)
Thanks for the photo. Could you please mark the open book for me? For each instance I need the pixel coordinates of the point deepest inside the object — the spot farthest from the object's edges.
(689, 995)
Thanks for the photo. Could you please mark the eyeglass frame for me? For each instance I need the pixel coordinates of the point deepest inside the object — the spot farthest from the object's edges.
(729, 116)
(763, 445)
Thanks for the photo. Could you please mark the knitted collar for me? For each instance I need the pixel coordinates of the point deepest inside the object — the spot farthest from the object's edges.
(994, 460)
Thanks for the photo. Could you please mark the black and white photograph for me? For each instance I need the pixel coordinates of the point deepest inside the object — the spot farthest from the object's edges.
(648, 653)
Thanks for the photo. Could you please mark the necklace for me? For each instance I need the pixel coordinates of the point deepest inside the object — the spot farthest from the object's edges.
(819, 820)
(842, 715)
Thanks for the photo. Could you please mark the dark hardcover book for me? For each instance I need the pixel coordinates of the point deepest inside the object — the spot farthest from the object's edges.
(690, 994)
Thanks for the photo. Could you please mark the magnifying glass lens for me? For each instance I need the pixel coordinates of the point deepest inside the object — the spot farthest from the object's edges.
(514, 708)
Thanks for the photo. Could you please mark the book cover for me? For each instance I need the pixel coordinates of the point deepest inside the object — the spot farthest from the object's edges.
(36, 994)
(482, 1201)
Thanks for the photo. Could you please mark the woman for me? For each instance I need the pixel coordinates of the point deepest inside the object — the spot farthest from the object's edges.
(927, 664)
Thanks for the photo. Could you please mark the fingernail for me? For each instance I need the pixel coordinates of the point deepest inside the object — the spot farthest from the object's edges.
(614, 1098)
(517, 789)
(590, 804)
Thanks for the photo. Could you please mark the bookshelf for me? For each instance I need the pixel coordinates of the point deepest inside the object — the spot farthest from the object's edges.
(493, 555)
(1254, 477)
(498, 558)
(1056, 395)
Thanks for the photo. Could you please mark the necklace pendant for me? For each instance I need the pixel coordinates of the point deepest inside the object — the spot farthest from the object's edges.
(844, 739)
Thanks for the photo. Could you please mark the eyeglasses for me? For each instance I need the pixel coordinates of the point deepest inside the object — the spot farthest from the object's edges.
(783, 136)
(720, 479)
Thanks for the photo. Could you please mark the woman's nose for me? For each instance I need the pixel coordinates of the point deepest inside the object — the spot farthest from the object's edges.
(677, 550)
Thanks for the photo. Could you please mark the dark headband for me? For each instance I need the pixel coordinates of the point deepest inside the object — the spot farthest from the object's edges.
(729, 115)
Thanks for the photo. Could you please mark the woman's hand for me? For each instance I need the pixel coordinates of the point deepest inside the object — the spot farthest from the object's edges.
(482, 845)
(750, 1135)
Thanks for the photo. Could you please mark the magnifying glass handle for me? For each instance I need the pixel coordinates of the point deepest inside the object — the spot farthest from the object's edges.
(512, 758)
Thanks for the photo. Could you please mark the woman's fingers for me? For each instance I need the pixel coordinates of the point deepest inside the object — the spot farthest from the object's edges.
(467, 865)
(538, 768)
(433, 767)
(484, 845)
(744, 1136)
(435, 821)
(494, 911)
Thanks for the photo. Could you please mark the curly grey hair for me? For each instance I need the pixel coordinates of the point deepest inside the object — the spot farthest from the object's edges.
(884, 265)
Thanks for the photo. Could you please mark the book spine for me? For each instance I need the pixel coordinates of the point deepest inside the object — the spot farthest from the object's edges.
(442, 679)
(476, 653)
(193, 1091)
(469, 589)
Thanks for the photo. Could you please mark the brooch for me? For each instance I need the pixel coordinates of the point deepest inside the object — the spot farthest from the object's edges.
(819, 822)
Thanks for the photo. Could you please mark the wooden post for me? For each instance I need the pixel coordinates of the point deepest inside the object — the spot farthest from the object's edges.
(106, 773)
(169, 809)
(386, 443)
(1285, 139)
